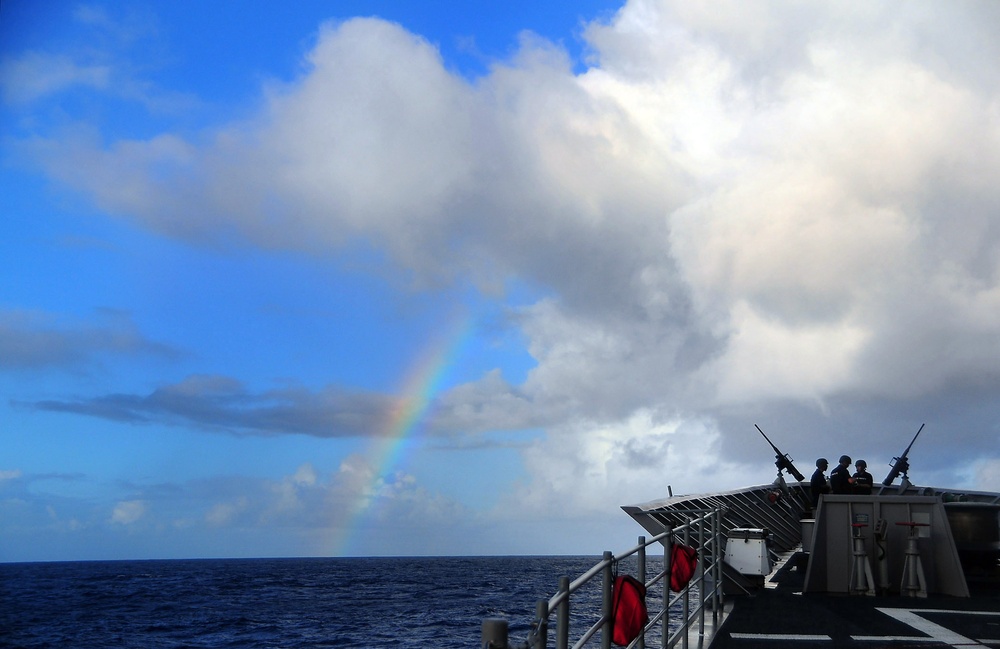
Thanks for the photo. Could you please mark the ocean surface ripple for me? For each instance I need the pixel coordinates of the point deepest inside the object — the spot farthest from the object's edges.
(435, 602)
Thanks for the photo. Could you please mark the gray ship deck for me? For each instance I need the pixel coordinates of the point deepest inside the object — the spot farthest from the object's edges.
(780, 615)
(796, 608)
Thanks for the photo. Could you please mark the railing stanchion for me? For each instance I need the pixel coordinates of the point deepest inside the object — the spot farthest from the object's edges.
(717, 554)
(494, 633)
(606, 604)
(641, 576)
(542, 633)
(701, 577)
(686, 598)
(682, 530)
(562, 616)
(667, 568)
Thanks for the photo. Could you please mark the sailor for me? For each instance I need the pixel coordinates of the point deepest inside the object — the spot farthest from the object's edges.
(817, 484)
(840, 478)
(862, 479)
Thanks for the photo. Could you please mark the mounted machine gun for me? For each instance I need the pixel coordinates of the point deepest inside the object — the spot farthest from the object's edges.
(901, 464)
(783, 461)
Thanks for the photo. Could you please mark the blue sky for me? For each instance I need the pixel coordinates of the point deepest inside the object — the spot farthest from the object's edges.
(379, 278)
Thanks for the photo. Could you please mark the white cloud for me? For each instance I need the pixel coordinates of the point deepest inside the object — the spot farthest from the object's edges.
(287, 496)
(35, 75)
(591, 469)
(731, 212)
(127, 512)
(225, 513)
(678, 203)
(305, 475)
(987, 476)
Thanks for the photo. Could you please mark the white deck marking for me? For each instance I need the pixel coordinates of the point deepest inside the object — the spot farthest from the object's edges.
(778, 636)
(933, 631)
(891, 638)
(912, 617)
(995, 614)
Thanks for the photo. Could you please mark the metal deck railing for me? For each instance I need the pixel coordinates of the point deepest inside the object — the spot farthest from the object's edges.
(678, 615)
(778, 508)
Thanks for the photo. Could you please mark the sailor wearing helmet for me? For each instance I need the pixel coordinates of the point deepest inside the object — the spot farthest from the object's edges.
(862, 479)
(818, 484)
(840, 477)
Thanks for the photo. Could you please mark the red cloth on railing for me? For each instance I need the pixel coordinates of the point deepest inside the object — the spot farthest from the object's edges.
(683, 563)
(628, 612)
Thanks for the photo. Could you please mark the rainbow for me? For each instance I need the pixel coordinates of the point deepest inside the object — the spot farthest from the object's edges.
(419, 389)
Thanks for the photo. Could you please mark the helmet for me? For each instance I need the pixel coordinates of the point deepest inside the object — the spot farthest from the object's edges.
(822, 462)
(845, 459)
(861, 464)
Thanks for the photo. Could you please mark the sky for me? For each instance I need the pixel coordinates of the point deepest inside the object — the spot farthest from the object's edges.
(450, 278)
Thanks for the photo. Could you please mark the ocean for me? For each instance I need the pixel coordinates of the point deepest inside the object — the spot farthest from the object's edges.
(417, 602)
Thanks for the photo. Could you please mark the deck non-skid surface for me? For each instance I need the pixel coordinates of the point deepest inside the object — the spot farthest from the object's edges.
(783, 617)
(822, 620)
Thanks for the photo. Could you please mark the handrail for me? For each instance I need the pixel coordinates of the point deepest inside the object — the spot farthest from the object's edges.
(575, 585)
(706, 524)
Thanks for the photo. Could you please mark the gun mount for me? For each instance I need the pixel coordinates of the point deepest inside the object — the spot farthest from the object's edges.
(901, 464)
(782, 460)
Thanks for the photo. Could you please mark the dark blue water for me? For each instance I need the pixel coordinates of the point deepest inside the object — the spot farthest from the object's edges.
(361, 602)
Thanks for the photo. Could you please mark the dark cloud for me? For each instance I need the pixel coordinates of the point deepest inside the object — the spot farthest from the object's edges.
(34, 340)
(224, 404)
(959, 423)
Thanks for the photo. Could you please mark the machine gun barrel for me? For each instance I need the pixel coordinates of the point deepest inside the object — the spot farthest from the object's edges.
(783, 461)
(901, 464)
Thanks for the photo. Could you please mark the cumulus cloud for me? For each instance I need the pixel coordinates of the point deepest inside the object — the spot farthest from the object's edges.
(325, 508)
(221, 514)
(307, 511)
(127, 512)
(592, 468)
(987, 475)
(328, 502)
(778, 211)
